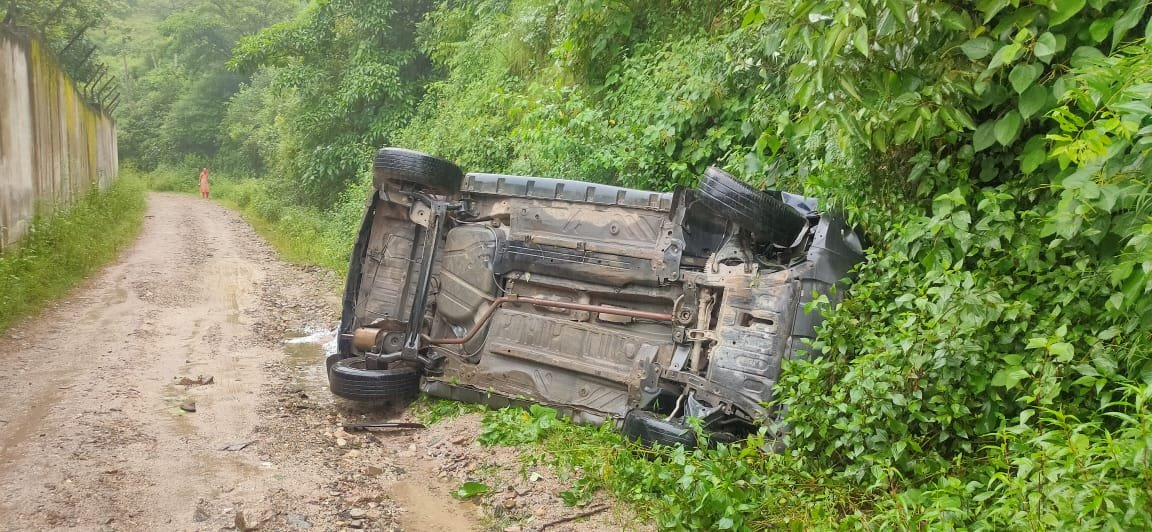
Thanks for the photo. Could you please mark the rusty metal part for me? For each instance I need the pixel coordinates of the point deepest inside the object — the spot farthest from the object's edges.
(496, 303)
(365, 338)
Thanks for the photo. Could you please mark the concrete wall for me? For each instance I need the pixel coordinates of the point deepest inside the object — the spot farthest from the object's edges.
(54, 147)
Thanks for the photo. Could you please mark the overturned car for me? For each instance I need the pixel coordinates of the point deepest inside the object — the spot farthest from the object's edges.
(607, 303)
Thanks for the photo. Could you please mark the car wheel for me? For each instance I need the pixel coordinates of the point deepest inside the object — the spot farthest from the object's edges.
(350, 378)
(770, 220)
(432, 174)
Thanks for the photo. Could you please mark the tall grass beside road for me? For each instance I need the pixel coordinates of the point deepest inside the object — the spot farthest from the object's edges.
(62, 250)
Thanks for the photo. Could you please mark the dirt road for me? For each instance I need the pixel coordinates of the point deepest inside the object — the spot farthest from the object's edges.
(97, 432)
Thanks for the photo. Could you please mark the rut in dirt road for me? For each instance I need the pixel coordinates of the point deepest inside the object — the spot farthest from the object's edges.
(96, 432)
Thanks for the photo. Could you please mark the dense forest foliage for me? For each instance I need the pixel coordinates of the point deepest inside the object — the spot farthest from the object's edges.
(992, 365)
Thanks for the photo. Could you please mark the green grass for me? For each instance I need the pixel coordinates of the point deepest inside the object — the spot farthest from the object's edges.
(302, 235)
(62, 250)
(431, 410)
(738, 486)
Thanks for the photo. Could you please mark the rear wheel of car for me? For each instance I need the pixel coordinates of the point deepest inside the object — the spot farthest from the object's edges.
(350, 378)
(770, 220)
(429, 173)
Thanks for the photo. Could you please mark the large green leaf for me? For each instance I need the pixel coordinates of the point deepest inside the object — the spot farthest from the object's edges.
(1045, 47)
(1005, 55)
(860, 40)
(1009, 377)
(1099, 29)
(1033, 100)
(1035, 153)
(1008, 128)
(990, 8)
(468, 490)
(1023, 75)
(978, 48)
(1064, 10)
(984, 136)
(1128, 20)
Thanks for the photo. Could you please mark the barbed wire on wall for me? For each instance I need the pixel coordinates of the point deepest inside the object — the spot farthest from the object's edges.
(72, 48)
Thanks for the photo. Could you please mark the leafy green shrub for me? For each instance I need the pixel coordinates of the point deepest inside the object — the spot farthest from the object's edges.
(515, 426)
(650, 101)
(243, 198)
(998, 336)
(735, 486)
(303, 234)
(268, 209)
(168, 179)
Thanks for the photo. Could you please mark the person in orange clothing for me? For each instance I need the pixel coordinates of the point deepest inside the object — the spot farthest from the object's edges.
(204, 183)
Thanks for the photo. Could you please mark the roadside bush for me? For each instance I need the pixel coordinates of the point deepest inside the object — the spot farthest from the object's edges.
(303, 234)
(173, 179)
(990, 366)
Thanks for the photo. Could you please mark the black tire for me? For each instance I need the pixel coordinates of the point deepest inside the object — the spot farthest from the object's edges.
(430, 173)
(770, 220)
(349, 378)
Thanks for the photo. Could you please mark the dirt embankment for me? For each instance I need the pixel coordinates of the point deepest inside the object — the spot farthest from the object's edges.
(106, 423)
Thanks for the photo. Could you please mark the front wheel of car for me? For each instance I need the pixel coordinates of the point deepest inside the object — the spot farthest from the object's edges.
(350, 378)
(432, 174)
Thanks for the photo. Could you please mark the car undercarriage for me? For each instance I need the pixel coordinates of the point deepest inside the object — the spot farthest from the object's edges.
(641, 308)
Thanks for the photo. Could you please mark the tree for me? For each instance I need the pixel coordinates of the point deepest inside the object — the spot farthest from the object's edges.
(352, 71)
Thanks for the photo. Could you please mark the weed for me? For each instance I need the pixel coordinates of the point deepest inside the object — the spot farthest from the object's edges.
(513, 426)
(430, 410)
(61, 250)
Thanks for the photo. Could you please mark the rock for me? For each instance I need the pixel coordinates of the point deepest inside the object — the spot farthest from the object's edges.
(373, 471)
(239, 521)
(356, 523)
(357, 513)
(200, 380)
(298, 522)
(461, 440)
(341, 442)
(188, 406)
(510, 503)
(513, 528)
(200, 514)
